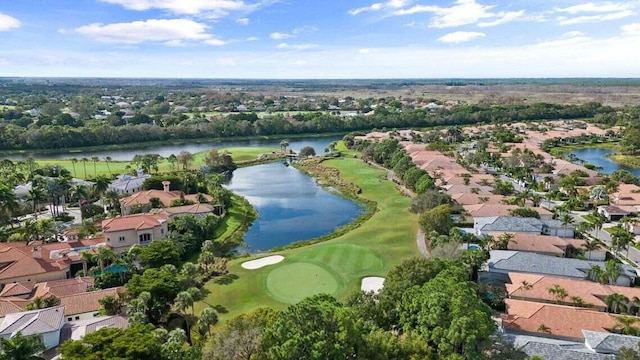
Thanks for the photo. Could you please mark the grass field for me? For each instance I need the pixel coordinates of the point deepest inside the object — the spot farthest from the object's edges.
(335, 266)
(118, 167)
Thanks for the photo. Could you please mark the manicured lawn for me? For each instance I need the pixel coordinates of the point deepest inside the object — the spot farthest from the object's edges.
(335, 266)
(118, 167)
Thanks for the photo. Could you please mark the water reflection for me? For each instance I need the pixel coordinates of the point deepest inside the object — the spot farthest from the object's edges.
(291, 206)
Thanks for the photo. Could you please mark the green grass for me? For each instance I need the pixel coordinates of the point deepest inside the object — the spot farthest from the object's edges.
(238, 154)
(372, 249)
(560, 151)
(626, 160)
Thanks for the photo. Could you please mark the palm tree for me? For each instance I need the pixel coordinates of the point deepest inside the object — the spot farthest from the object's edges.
(172, 159)
(612, 270)
(621, 239)
(108, 159)
(597, 220)
(84, 163)
(625, 325)
(43, 302)
(101, 185)
(8, 204)
(182, 302)
(86, 258)
(95, 159)
(544, 329)
(206, 258)
(105, 255)
(525, 286)
(208, 317)
(616, 302)
(566, 219)
(558, 292)
(20, 347)
(73, 163)
(36, 195)
(196, 295)
(283, 146)
(503, 241)
(591, 245)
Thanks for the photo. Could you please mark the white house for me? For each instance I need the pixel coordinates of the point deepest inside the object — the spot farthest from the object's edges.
(45, 323)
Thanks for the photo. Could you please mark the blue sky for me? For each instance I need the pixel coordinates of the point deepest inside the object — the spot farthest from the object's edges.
(320, 38)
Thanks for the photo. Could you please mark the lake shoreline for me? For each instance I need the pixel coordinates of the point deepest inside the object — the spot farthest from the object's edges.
(151, 144)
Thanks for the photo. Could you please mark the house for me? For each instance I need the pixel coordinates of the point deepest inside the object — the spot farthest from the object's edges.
(558, 321)
(165, 197)
(57, 288)
(608, 343)
(492, 210)
(76, 330)
(613, 213)
(549, 245)
(628, 194)
(591, 294)
(197, 210)
(500, 224)
(140, 229)
(86, 305)
(45, 323)
(506, 261)
(474, 199)
(38, 262)
(126, 184)
(550, 348)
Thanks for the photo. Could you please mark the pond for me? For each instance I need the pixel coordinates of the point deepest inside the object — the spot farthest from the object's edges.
(318, 143)
(598, 157)
(291, 206)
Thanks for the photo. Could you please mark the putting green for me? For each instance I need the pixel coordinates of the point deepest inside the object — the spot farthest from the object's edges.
(293, 282)
(403, 200)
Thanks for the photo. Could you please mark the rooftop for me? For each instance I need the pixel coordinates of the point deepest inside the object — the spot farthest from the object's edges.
(32, 322)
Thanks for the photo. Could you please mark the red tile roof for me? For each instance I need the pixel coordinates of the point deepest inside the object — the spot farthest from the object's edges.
(563, 321)
(165, 197)
(133, 222)
(87, 302)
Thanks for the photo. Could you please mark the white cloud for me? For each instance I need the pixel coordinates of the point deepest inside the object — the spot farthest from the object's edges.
(243, 21)
(460, 36)
(603, 7)
(365, 51)
(8, 22)
(280, 36)
(215, 42)
(562, 20)
(150, 30)
(296, 46)
(252, 38)
(631, 29)
(503, 18)
(391, 4)
(304, 30)
(463, 12)
(566, 39)
(204, 8)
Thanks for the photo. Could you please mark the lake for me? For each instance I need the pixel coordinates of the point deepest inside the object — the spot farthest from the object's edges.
(598, 157)
(291, 206)
(318, 143)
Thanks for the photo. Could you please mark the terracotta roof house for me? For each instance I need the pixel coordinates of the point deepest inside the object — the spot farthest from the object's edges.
(469, 189)
(165, 196)
(57, 288)
(473, 199)
(506, 261)
(45, 323)
(86, 305)
(628, 194)
(615, 213)
(591, 293)
(564, 322)
(140, 229)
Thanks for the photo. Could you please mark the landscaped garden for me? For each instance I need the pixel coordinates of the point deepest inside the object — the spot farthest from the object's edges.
(335, 266)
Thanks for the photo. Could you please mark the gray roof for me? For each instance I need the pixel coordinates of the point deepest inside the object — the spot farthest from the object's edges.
(33, 322)
(520, 224)
(559, 352)
(78, 329)
(528, 262)
(608, 343)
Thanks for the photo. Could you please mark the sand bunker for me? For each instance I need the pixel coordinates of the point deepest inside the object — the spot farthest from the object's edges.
(258, 263)
(372, 283)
